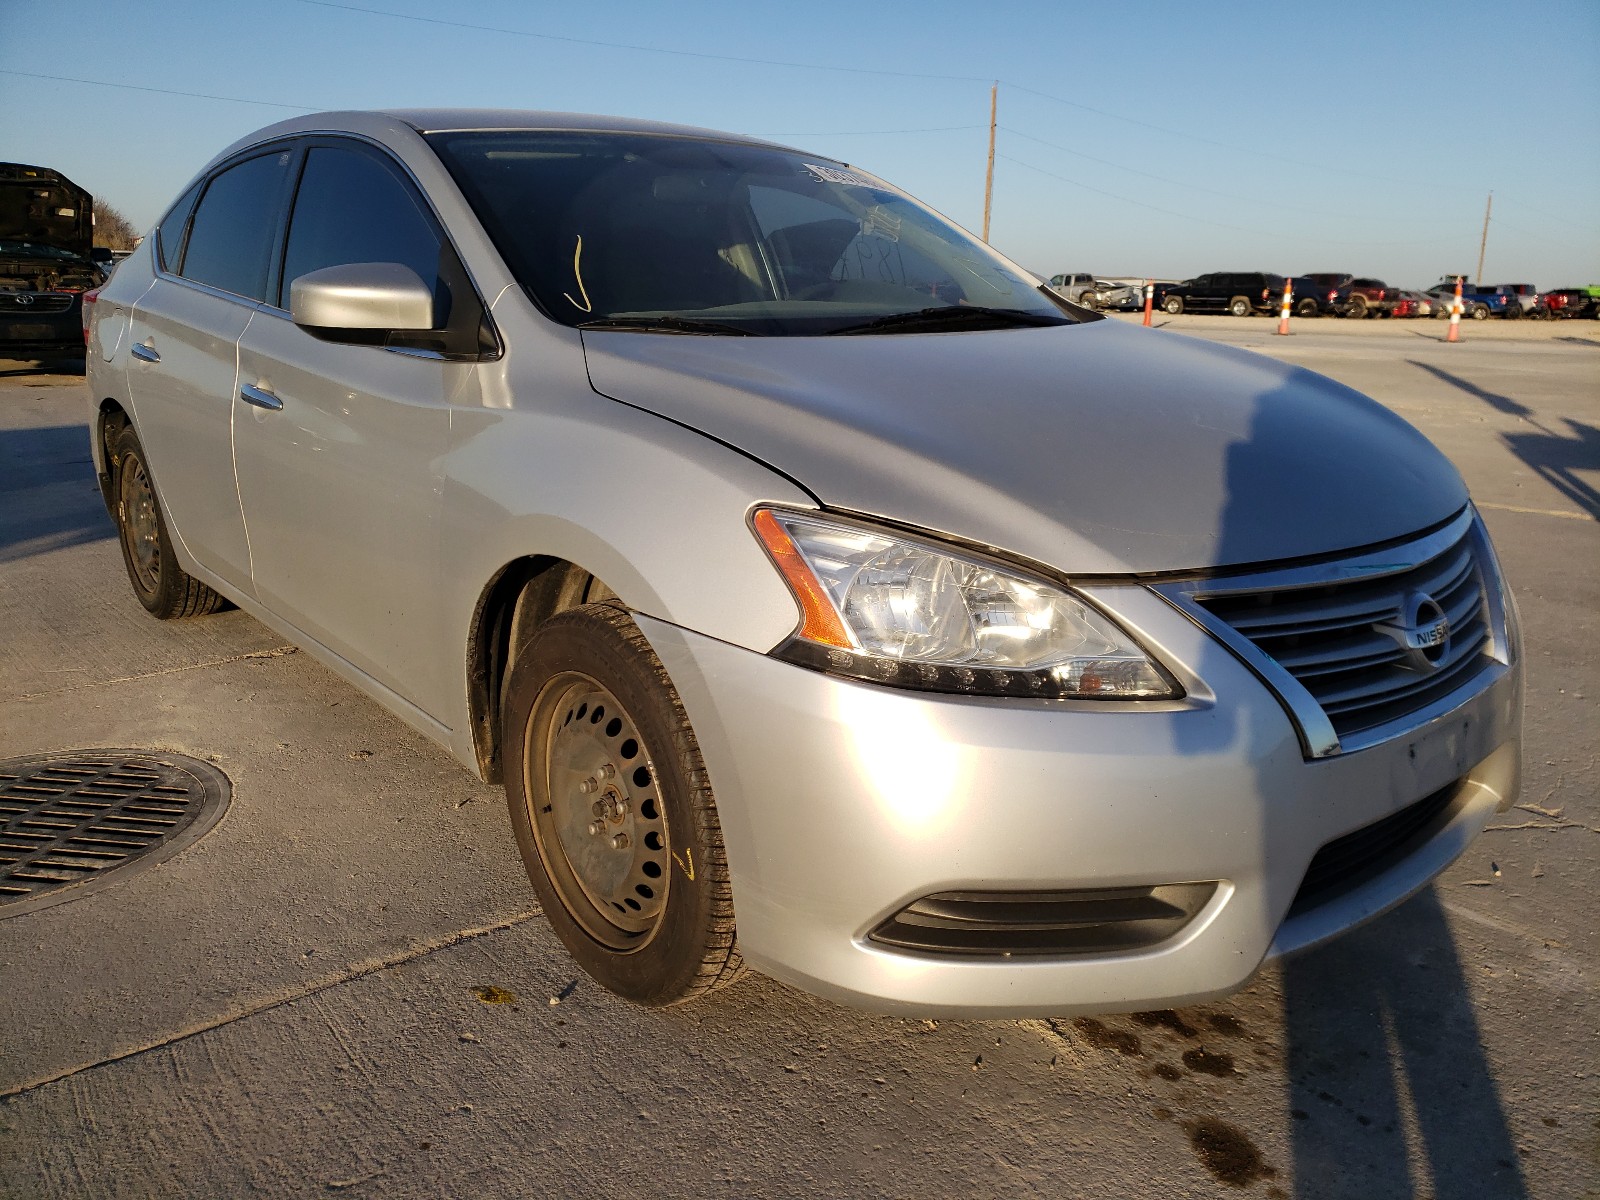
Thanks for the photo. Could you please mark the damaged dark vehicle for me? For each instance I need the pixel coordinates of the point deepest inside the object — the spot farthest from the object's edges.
(46, 238)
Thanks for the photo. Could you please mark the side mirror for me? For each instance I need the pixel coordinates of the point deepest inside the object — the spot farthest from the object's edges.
(375, 297)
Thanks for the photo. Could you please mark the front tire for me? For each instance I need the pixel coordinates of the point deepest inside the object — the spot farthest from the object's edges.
(1307, 307)
(1172, 305)
(166, 590)
(613, 811)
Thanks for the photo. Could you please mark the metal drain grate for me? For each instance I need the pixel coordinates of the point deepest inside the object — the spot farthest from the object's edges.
(70, 820)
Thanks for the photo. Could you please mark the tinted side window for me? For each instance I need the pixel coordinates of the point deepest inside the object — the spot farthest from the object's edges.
(351, 208)
(230, 241)
(169, 234)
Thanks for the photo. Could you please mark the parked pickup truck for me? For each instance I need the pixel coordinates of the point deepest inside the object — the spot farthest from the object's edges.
(1478, 302)
(1238, 293)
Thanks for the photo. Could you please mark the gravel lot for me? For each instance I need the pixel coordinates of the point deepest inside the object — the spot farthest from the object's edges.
(294, 1004)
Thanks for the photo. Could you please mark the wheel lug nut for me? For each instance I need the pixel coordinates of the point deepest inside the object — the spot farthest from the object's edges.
(588, 785)
(619, 842)
(609, 771)
(596, 828)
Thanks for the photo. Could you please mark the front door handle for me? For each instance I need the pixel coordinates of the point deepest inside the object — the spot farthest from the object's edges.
(260, 397)
(145, 352)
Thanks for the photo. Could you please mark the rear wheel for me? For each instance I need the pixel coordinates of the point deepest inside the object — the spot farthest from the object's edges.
(165, 589)
(1239, 306)
(613, 811)
(1172, 305)
(1357, 308)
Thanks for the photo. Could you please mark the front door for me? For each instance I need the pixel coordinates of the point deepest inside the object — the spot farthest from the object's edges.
(338, 445)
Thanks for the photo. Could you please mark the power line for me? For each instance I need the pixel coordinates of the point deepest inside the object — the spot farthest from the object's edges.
(875, 132)
(1274, 202)
(134, 87)
(701, 54)
(1195, 137)
(1217, 224)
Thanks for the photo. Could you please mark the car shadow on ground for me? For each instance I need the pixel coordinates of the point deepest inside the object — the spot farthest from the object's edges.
(23, 369)
(1385, 1065)
(48, 496)
(1384, 1071)
(1556, 457)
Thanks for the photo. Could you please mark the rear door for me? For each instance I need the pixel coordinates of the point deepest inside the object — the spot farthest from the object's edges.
(339, 474)
(184, 368)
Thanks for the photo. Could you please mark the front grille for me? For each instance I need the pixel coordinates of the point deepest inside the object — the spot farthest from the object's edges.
(1356, 857)
(1097, 921)
(1327, 638)
(27, 303)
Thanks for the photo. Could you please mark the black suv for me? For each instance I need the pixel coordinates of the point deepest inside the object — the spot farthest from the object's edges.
(1239, 293)
(46, 227)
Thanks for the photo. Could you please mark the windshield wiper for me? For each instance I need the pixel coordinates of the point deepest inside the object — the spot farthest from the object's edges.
(670, 324)
(945, 316)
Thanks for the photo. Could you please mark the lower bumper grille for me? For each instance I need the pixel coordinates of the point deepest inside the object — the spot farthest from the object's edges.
(1097, 921)
(1356, 857)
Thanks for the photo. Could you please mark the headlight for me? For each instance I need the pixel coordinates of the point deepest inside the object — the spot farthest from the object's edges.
(911, 614)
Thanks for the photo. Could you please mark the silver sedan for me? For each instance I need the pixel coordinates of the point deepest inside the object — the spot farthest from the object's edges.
(830, 598)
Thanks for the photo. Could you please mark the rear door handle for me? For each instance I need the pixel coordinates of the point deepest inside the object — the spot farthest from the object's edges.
(260, 397)
(145, 352)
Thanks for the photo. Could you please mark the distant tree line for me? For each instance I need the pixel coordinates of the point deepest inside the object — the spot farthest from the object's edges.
(111, 229)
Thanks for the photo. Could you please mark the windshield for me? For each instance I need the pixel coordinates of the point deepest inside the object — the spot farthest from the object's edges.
(688, 235)
(37, 250)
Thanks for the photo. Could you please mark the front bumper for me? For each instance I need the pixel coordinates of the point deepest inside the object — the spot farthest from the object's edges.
(842, 802)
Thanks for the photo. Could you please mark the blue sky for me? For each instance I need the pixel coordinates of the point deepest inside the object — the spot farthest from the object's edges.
(1159, 139)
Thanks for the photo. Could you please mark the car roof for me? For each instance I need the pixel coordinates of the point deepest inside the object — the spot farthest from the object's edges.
(385, 125)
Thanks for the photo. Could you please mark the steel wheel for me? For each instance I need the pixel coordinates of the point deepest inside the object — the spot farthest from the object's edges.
(164, 588)
(597, 817)
(628, 862)
(141, 533)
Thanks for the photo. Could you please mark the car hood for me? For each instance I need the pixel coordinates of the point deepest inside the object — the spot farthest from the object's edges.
(1098, 448)
(46, 208)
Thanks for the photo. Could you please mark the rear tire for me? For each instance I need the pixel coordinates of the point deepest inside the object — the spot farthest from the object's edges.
(166, 590)
(1357, 309)
(1172, 305)
(613, 811)
(1239, 306)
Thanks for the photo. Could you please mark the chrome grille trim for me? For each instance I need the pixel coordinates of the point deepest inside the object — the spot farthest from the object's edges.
(1454, 564)
(35, 303)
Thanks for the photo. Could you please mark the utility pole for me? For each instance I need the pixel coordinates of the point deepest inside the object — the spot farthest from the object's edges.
(1484, 243)
(988, 179)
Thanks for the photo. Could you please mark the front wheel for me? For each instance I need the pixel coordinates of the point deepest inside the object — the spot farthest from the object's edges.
(1480, 312)
(165, 589)
(1306, 307)
(613, 812)
(1172, 305)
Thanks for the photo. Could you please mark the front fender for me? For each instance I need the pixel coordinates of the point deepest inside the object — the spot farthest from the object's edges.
(654, 510)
